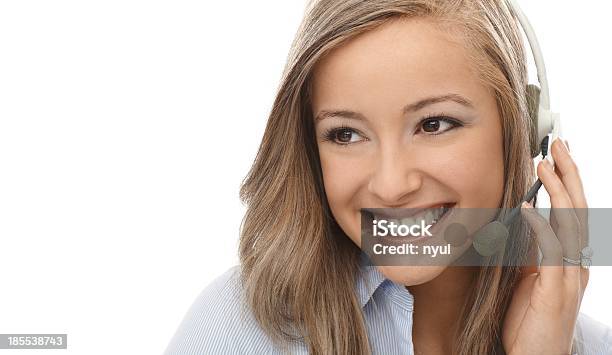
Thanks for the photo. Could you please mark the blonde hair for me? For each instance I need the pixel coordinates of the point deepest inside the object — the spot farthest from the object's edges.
(298, 268)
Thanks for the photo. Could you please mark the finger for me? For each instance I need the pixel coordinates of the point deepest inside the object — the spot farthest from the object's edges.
(584, 280)
(583, 218)
(567, 170)
(582, 214)
(551, 270)
(567, 227)
(559, 197)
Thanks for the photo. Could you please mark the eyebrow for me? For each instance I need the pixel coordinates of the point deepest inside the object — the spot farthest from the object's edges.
(407, 109)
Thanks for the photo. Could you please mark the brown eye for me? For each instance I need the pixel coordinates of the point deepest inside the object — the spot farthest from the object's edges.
(431, 126)
(438, 125)
(343, 136)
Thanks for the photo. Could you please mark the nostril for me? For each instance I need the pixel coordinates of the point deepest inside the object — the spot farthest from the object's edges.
(394, 190)
(395, 176)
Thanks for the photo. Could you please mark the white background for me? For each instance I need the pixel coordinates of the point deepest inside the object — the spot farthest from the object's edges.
(127, 126)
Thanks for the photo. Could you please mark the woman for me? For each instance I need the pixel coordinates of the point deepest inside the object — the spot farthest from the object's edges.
(394, 104)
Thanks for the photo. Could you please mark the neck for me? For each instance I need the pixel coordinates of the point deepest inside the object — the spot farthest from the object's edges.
(438, 307)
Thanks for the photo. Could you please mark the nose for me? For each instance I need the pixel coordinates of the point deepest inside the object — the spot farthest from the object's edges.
(395, 179)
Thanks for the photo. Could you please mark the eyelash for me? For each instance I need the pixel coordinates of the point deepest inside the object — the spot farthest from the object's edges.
(330, 134)
(455, 123)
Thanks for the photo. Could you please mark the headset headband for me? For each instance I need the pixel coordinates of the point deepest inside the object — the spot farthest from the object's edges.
(548, 122)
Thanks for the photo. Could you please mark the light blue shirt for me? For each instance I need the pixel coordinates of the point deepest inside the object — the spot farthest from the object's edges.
(219, 322)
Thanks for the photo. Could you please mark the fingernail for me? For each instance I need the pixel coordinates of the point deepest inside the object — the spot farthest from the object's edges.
(547, 164)
(567, 145)
(563, 146)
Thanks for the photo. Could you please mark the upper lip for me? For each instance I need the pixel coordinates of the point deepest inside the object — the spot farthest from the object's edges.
(405, 212)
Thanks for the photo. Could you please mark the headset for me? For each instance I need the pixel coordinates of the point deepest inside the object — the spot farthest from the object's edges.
(545, 129)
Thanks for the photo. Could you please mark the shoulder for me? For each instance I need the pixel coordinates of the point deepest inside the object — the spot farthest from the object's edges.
(592, 337)
(219, 322)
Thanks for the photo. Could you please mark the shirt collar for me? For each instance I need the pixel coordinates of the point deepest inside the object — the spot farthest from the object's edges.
(370, 279)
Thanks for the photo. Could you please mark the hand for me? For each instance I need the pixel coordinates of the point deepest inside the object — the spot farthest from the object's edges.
(545, 304)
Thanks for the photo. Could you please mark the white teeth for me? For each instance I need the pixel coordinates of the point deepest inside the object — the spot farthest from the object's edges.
(437, 213)
(430, 216)
(408, 222)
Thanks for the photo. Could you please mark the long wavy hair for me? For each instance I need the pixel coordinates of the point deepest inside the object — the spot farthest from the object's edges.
(299, 269)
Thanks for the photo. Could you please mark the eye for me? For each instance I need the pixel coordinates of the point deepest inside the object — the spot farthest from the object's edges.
(343, 136)
(437, 125)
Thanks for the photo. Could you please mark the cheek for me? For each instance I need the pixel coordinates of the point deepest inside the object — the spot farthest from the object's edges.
(468, 165)
(475, 169)
(341, 179)
(334, 179)
(337, 173)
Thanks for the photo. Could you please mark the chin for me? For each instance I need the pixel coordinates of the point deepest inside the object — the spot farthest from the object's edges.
(411, 275)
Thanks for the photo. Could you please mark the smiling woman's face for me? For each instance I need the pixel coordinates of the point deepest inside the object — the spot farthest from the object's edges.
(403, 121)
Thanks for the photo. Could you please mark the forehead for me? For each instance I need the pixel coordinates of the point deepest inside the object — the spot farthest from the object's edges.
(400, 60)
